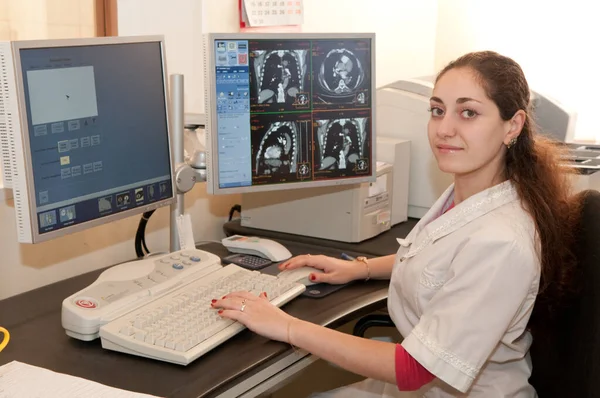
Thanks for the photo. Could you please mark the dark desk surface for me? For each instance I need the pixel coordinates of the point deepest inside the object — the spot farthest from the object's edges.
(37, 338)
(381, 245)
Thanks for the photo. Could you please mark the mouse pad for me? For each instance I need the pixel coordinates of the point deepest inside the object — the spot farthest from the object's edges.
(319, 290)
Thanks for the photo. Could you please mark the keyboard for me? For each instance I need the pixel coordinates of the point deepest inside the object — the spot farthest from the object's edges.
(164, 311)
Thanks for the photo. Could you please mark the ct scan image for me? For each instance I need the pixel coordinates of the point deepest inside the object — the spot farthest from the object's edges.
(342, 145)
(279, 79)
(341, 74)
(281, 149)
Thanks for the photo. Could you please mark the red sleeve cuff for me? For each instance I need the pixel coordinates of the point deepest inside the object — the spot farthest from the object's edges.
(410, 374)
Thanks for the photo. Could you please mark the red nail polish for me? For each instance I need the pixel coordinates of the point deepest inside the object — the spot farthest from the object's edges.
(224, 297)
(265, 293)
(213, 301)
(312, 277)
(220, 311)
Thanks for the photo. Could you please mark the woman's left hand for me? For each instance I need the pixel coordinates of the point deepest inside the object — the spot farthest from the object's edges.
(256, 313)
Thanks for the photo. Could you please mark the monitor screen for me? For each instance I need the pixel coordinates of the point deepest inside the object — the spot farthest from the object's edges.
(289, 111)
(95, 131)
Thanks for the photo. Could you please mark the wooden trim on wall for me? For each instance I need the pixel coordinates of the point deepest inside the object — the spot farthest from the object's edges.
(106, 18)
(100, 28)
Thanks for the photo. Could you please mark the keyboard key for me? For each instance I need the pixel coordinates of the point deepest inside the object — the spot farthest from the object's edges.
(170, 344)
(127, 330)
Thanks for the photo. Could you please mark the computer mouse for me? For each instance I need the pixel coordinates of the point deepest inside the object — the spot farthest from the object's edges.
(256, 246)
(300, 275)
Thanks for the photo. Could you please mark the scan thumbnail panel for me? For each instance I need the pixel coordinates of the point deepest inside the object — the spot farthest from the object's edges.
(341, 74)
(281, 148)
(279, 75)
(342, 143)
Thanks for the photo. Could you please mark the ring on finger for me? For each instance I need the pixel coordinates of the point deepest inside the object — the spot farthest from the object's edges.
(243, 305)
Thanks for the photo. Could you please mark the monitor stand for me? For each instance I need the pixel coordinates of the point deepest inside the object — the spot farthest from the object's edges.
(185, 176)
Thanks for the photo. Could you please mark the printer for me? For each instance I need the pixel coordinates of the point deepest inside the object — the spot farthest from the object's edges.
(402, 111)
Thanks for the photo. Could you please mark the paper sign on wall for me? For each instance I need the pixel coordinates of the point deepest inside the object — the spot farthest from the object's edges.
(255, 13)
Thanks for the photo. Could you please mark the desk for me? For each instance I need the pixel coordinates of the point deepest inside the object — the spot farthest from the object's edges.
(381, 245)
(232, 369)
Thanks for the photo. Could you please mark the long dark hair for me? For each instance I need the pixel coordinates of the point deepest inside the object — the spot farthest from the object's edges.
(541, 178)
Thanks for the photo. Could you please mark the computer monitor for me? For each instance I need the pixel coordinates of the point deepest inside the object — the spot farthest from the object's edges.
(289, 111)
(85, 132)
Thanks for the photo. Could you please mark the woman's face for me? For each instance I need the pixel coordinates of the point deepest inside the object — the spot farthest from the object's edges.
(466, 133)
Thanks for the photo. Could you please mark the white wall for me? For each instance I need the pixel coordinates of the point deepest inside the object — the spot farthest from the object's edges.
(405, 47)
(552, 41)
(405, 31)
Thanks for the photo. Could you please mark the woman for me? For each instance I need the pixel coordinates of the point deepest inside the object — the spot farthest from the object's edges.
(465, 280)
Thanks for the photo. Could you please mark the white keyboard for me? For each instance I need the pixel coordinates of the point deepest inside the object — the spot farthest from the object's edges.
(178, 324)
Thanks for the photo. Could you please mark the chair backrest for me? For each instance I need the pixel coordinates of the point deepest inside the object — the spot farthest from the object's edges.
(570, 367)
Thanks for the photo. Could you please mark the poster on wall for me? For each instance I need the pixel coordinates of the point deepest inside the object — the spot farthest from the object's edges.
(269, 13)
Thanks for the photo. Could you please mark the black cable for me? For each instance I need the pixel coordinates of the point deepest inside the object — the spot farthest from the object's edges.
(193, 126)
(234, 208)
(144, 242)
(137, 242)
(146, 218)
(140, 235)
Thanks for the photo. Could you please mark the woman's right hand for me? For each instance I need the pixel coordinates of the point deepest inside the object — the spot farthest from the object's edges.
(335, 271)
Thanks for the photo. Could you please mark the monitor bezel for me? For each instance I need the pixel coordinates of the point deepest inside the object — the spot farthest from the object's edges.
(30, 196)
(212, 157)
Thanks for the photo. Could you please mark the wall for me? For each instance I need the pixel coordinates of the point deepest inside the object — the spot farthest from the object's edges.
(550, 40)
(405, 47)
(53, 19)
(405, 31)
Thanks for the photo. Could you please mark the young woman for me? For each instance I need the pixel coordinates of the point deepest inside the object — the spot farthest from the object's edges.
(464, 282)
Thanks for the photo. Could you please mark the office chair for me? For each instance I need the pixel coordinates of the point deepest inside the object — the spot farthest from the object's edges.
(568, 364)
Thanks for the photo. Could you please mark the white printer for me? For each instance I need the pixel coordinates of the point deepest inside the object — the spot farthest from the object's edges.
(402, 111)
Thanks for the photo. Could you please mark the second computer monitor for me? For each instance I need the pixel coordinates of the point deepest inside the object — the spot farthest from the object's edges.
(89, 127)
(289, 111)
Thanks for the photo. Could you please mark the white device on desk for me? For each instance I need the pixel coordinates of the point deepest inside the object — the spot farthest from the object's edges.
(127, 286)
(159, 307)
(256, 246)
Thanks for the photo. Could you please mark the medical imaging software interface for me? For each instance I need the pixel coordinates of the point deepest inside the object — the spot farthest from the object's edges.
(98, 133)
(292, 110)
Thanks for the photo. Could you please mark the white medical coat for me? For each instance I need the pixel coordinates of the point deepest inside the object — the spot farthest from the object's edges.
(461, 293)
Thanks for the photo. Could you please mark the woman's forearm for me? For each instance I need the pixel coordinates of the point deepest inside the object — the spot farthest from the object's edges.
(369, 358)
